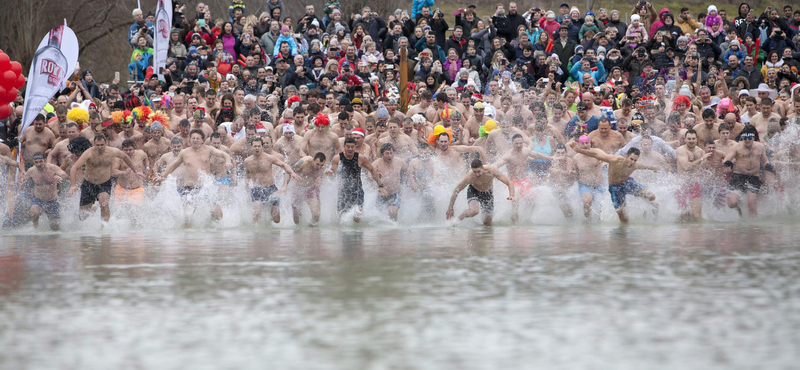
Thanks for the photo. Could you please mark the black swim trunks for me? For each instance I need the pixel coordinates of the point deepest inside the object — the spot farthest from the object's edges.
(188, 193)
(745, 183)
(265, 195)
(349, 198)
(90, 191)
(485, 198)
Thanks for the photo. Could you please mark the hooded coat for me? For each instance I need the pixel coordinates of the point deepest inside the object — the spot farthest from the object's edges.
(660, 22)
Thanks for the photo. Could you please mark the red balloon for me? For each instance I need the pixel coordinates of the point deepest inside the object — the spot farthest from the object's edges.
(11, 94)
(5, 111)
(8, 79)
(3, 96)
(16, 67)
(5, 62)
(20, 81)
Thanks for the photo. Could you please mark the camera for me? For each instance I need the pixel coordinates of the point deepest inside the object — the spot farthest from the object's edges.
(390, 66)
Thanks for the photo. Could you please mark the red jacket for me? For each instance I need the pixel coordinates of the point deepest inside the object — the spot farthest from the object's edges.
(209, 38)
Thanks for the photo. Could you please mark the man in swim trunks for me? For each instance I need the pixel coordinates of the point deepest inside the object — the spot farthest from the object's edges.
(130, 185)
(96, 186)
(351, 192)
(620, 182)
(747, 158)
(590, 176)
(306, 189)
(195, 159)
(259, 179)
(690, 158)
(562, 176)
(392, 172)
(46, 177)
(516, 161)
(480, 180)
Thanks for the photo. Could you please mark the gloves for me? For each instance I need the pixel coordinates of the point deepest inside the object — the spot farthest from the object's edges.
(728, 164)
(769, 167)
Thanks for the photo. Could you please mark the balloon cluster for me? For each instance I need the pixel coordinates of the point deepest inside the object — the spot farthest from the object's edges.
(11, 79)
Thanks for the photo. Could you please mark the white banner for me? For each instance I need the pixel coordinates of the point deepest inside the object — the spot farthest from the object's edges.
(163, 27)
(53, 63)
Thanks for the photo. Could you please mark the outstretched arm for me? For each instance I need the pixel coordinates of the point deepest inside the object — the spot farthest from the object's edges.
(174, 165)
(461, 185)
(121, 155)
(73, 173)
(220, 153)
(504, 179)
(597, 154)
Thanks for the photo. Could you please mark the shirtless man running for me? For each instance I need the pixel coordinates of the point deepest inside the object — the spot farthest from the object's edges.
(590, 176)
(393, 172)
(46, 177)
(747, 158)
(195, 159)
(290, 145)
(259, 179)
(562, 176)
(620, 182)
(480, 180)
(306, 189)
(60, 152)
(690, 158)
(96, 186)
(35, 140)
(516, 161)
(130, 184)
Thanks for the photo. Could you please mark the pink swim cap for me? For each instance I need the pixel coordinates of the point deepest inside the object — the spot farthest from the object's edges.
(584, 139)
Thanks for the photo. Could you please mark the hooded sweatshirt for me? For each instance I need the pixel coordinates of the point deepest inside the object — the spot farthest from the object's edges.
(659, 23)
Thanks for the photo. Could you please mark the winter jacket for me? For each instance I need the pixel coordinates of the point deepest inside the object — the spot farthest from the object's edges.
(739, 54)
(688, 26)
(660, 22)
(585, 28)
(599, 74)
(459, 45)
(416, 6)
(281, 39)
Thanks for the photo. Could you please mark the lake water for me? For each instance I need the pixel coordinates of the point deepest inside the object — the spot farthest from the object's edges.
(580, 296)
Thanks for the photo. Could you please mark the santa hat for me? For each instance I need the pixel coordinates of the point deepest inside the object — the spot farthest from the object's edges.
(358, 131)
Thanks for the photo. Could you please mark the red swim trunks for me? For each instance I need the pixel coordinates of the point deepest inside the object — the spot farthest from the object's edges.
(522, 188)
(688, 192)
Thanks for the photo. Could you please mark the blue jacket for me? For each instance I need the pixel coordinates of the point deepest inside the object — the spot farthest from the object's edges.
(599, 75)
(279, 40)
(416, 7)
(135, 28)
(739, 54)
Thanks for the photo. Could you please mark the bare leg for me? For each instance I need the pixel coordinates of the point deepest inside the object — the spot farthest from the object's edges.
(393, 210)
(276, 214)
(216, 212)
(697, 209)
(357, 216)
(55, 224)
(313, 204)
(256, 212)
(35, 211)
(105, 211)
(487, 218)
(621, 213)
(296, 213)
(83, 212)
(733, 201)
(587, 199)
(752, 204)
(471, 211)
(515, 212)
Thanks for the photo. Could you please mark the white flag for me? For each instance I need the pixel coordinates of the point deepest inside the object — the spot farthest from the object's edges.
(53, 63)
(162, 33)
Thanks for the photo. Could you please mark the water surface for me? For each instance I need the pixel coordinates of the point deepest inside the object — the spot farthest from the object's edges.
(644, 296)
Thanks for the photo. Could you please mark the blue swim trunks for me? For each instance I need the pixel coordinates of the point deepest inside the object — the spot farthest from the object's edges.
(226, 181)
(619, 191)
(594, 190)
